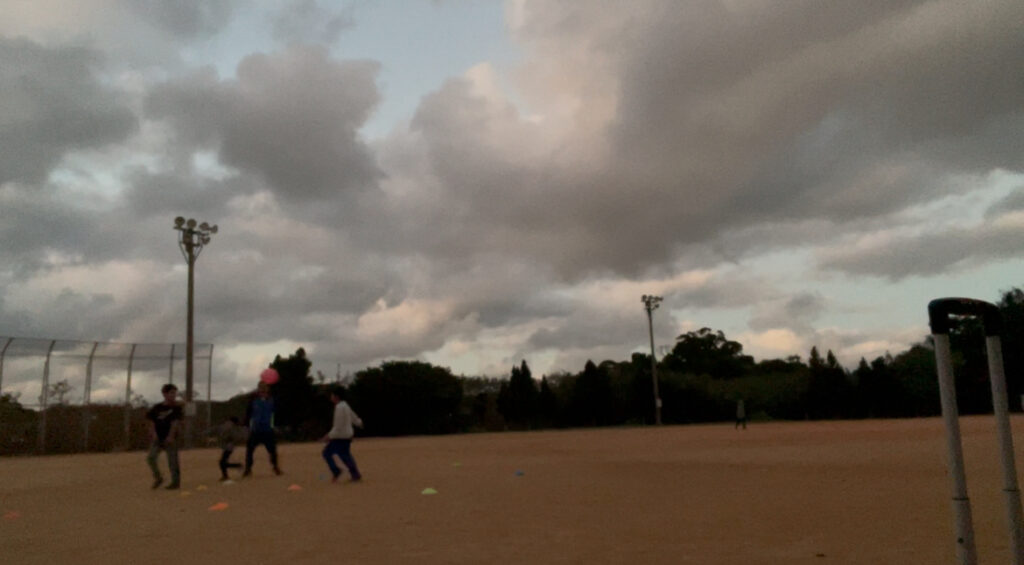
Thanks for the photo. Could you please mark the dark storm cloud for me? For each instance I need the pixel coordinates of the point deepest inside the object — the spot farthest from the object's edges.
(52, 102)
(185, 18)
(309, 21)
(291, 117)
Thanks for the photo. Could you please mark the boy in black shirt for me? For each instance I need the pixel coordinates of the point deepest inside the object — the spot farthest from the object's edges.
(163, 431)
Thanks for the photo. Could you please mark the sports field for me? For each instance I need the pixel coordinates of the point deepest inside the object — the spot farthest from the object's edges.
(779, 493)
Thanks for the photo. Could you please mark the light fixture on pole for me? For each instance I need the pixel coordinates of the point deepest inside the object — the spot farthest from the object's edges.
(191, 239)
(651, 304)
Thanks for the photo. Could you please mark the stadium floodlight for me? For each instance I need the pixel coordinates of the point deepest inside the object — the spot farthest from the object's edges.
(191, 241)
(651, 304)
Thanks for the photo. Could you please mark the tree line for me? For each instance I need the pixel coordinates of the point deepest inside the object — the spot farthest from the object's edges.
(700, 380)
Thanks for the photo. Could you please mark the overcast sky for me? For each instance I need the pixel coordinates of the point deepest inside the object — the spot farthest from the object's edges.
(477, 183)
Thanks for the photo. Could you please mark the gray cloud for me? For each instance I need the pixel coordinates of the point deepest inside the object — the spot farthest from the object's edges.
(52, 102)
(927, 254)
(635, 149)
(292, 118)
(185, 18)
(797, 313)
(1013, 202)
(308, 21)
(729, 117)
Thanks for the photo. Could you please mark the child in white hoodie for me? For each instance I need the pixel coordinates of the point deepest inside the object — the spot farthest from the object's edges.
(339, 439)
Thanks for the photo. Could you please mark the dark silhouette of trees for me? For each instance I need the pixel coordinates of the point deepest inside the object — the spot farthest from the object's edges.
(592, 402)
(294, 394)
(517, 400)
(707, 352)
(407, 397)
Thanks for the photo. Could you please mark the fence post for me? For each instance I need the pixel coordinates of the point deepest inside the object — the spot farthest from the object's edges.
(87, 397)
(209, 389)
(2, 353)
(128, 402)
(43, 397)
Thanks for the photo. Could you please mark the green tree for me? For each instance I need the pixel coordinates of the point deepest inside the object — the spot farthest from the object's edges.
(829, 392)
(407, 397)
(592, 400)
(1011, 306)
(518, 400)
(547, 404)
(294, 394)
(707, 352)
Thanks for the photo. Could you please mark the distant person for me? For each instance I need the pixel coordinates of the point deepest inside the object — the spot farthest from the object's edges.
(164, 421)
(259, 417)
(741, 414)
(228, 434)
(339, 438)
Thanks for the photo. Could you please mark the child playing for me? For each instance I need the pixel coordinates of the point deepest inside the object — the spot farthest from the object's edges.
(260, 418)
(228, 433)
(339, 439)
(164, 420)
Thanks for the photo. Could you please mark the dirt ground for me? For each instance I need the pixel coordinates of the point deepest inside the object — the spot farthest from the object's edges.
(778, 493)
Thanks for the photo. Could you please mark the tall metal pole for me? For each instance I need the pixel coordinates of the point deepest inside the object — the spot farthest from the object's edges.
(44, 396)
(191, 240)
(3, 352)
(189, 407)
(128, 401)
(209, 389)
(650, 304)
(87, 398)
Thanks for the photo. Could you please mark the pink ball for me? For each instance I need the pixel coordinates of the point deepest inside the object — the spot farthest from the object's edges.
(269, 376)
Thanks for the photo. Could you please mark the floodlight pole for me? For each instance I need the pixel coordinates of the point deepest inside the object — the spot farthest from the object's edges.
(191, 241)
(651, 304)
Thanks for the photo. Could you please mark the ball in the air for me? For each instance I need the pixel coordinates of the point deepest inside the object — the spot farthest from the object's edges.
(269, 376)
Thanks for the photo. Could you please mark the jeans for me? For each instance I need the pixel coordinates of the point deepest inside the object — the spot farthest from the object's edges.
(265, 438)
(172, 460)
(341, 448)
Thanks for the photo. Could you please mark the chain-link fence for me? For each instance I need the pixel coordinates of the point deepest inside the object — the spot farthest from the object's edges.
(63, 396)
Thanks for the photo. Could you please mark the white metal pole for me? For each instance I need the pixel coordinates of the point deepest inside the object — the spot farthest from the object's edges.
(44, 397)
(966, 551)
(87, 397)
(209, 389)
(1000, 405)
(128, 401)
(3, 352)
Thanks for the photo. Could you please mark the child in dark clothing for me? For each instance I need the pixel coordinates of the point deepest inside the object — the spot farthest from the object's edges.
(228, 434)
(164, 419)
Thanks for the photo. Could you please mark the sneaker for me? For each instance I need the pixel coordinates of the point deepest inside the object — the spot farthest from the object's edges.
(356, 479)
(247, 474)
(223, 479)
(173, 486)
(335, 478)
(277, 470)
(157, 482)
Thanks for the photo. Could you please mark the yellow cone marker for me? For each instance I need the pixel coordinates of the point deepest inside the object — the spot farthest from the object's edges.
(429, 490)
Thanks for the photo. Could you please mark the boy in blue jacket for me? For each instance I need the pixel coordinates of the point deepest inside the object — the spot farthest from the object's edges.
(260, 419)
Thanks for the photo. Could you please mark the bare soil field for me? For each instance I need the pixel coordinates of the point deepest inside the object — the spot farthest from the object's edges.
(867, 492)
